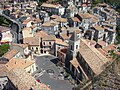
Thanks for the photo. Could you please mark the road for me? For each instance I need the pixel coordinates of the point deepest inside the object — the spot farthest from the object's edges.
(46, 62)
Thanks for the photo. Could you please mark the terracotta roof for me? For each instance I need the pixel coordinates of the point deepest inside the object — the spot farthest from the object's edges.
(55, 16)
(50, 23)
(110, 47)
(49, 38)
(94, 19)
(102, 43)
(75, 19)
(3, 70)
(35, 40)
(31, 41)
(61, 20)
(98, 27)
(78, 31)
(21, 45)
(41, 34)
(18, 63)
(50, 5)
(93, 57)
(117, 53)
(59, 41)
(102, 51)
(25, 81)
(85, 15)
(38, 20)
(27, 28)
(10, 54)
(64, 36)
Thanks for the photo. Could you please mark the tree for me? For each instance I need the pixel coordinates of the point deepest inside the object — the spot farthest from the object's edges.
(114, 56)
(3, 49)
(113, 3)
(40, 2)
(4, 21)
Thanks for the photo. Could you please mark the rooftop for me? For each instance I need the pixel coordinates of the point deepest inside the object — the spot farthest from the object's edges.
(24, 80)
(98, 27)
(61, 20)
(50, 5)
(85, 15)
(110, 47)
(64, 36)
(50, 23)
(59, 41)
(21, 45)
(31, 41)
(95, 60)
(41, 34)
(18, 63)
(10, 54)
(55, 16)
(75, 19)
(49, 38)
(102, 43)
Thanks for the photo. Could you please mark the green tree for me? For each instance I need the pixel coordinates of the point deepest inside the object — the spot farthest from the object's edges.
(40, 2)
(114, 56)
(3, 49)
(4, 21)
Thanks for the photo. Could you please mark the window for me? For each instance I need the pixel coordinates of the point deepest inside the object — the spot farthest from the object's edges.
(32, 48)
(36, 48)
(71, 47)
(76, 46)
(44, 51)
(44, 43)
(37, 68)
(58, 48)
(49, 43)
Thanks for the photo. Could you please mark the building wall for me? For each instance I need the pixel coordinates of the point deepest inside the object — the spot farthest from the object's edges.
(27, 33)
(7, 36)
(19, 55)
(35, 48)
(58, 47)
(48, 46)
(61, 10)
(30, 69)
(88, 71)
(51, 29)
(57, 10)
